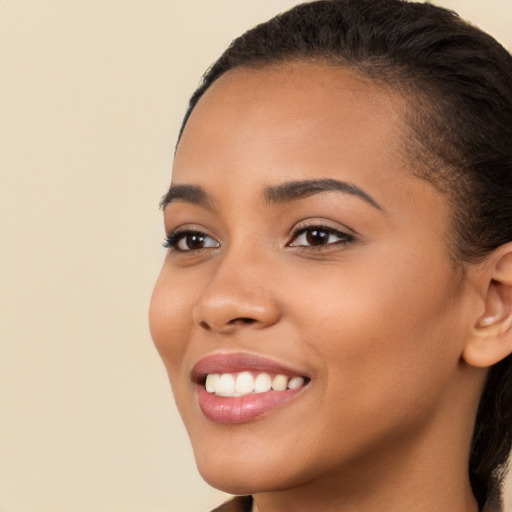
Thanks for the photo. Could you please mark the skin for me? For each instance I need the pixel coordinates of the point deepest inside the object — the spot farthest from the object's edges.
(380, 320)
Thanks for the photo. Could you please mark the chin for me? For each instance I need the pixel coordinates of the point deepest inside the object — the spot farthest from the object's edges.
(230, 482)
(242, 481)
(245, 469)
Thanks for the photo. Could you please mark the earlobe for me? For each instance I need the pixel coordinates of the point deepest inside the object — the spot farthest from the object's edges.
(491, 336)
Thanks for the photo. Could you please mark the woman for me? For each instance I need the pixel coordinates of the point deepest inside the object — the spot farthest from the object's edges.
(335, 308)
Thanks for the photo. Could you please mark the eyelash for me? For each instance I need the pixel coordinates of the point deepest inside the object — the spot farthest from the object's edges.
(173, 240)
(344, 238)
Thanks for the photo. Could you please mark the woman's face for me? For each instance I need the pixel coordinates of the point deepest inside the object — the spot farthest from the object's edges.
(302, 245)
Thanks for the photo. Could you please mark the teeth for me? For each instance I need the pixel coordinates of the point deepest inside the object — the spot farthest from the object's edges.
(226, 385)
(279, 382)
(262, 383)
(212, 382)
(296, 383)
(244, 383)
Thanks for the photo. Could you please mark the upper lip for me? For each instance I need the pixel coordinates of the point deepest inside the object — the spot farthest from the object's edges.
(239, 362)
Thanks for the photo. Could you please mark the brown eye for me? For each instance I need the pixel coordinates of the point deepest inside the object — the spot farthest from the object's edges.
(190, 241)
(318, 236)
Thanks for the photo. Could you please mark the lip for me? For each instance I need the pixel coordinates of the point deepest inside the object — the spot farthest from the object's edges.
(239, 362)
(242, 409)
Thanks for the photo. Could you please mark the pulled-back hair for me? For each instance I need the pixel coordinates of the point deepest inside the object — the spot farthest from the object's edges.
(457, 82)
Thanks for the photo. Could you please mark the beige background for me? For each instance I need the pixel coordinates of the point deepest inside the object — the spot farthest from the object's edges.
(91, 98)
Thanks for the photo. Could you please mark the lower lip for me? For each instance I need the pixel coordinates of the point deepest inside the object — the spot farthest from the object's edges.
(242, 409)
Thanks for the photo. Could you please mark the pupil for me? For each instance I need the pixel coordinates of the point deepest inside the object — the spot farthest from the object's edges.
(317, 237)
(195, 241)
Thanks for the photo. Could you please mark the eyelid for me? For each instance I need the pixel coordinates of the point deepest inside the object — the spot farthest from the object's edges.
(174, 236)
(345, 234)
(324, 223)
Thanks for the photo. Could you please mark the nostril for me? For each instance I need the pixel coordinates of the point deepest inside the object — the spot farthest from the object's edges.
(204, 326)
(242, 320)
(231, 323)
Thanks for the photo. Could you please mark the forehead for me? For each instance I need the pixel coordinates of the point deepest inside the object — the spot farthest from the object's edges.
(294, 109)
(323, 84)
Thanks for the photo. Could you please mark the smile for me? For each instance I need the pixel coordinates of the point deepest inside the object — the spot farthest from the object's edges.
(237, 388)
(245, 383)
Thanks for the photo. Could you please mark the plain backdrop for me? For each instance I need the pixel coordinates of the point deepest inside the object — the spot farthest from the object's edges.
(91, 98)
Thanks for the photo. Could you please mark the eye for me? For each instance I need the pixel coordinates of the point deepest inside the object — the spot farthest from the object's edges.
(188, 240)
(318, 236)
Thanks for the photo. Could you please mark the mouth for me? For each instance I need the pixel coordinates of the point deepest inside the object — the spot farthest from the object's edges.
(247, 383)
(237, 388)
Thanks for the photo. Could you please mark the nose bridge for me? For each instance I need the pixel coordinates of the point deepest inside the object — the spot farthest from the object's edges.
(238, 294)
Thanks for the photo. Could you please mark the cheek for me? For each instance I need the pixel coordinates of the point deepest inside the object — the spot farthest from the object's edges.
(384, 328)
(169, 314)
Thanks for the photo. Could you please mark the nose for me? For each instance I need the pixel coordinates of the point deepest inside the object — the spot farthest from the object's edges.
(238, 296)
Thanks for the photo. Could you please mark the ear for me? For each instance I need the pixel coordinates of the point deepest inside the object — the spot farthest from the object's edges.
(491, 335)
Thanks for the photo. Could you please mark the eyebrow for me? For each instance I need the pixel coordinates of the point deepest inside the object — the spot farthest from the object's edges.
(193, 194)
(276, 194)
(295, 190)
